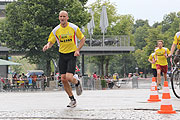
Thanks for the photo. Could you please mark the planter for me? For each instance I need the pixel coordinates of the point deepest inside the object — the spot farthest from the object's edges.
(103, 84)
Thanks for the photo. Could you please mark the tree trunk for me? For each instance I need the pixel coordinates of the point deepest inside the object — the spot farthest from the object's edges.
(107, 65)
(145, 73)
(124, 67)
(102, 66)
(99, 70)
(48, 67)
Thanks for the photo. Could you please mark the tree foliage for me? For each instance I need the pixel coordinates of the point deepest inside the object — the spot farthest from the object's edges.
(140, 35)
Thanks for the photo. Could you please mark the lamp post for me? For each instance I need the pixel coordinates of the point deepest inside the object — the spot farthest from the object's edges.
(136, 70)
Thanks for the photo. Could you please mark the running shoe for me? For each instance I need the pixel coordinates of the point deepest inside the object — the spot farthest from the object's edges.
(78, 86)
(72, 104)
(160, 86)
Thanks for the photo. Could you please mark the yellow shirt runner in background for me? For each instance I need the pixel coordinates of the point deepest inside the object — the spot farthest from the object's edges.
(152, 58)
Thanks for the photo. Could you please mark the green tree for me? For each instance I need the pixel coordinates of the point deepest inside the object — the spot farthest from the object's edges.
(29, 23)
(140, 23)
(154, 34)
(123, 25)
(142, 60)
(122, 64)
(1, 28)
(167, 21)
(140, 35)
(17, 68)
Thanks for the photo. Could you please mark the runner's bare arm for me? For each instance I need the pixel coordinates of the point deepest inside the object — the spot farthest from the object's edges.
(172, 49)
(149, 60)
(47, 46)
(152, 62)
(155, 57)
(80, 46)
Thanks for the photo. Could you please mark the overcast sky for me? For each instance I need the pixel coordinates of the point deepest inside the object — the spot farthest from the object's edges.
(152, 10)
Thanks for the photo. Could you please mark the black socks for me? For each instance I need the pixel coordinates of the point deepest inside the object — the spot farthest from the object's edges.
(72, 98)
(77, 83)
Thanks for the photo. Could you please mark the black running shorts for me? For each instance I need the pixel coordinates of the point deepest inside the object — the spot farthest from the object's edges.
(67, 63)
(154, 72)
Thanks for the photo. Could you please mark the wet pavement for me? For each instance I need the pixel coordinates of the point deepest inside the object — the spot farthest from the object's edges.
(116, 104)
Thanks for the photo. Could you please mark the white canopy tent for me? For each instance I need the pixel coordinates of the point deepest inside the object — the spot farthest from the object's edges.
(6, 62)
(4, 67)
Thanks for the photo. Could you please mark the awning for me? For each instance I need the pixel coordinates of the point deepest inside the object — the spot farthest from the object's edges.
(6, 62)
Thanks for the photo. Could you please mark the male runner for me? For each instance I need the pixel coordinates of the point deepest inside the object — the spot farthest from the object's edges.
(66, 35)
(161, 54)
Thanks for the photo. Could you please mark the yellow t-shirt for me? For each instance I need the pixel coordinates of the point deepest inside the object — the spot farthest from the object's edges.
(160, 53)
(177, 39)
(66, 37)
(114, 77)
(152, 58)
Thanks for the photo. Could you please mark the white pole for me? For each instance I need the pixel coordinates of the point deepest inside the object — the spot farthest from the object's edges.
(90, 40)
(103, 38)
(55, 79)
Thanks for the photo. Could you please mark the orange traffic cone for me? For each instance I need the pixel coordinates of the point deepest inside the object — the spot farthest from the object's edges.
(166, 106)
(154, 95)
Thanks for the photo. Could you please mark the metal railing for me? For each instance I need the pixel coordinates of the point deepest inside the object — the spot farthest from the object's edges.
(89, 83)
(22, 85)
(110, 40)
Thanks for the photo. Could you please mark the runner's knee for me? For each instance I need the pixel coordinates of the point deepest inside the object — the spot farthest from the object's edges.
(69, 76)
(158, 72)
(63, 78)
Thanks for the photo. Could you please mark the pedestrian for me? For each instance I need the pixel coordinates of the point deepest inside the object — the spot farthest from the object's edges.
(94, 76)
(135, 80)
(161, 55)
(117, 77)
(44, 78)
(14, 79)
(30, 81)
(110, 82)
(66, 35)
(34, 80)
(24, 79)
(18, 81)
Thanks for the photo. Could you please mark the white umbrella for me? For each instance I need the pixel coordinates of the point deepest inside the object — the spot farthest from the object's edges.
(103, 21)
(91, 25)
